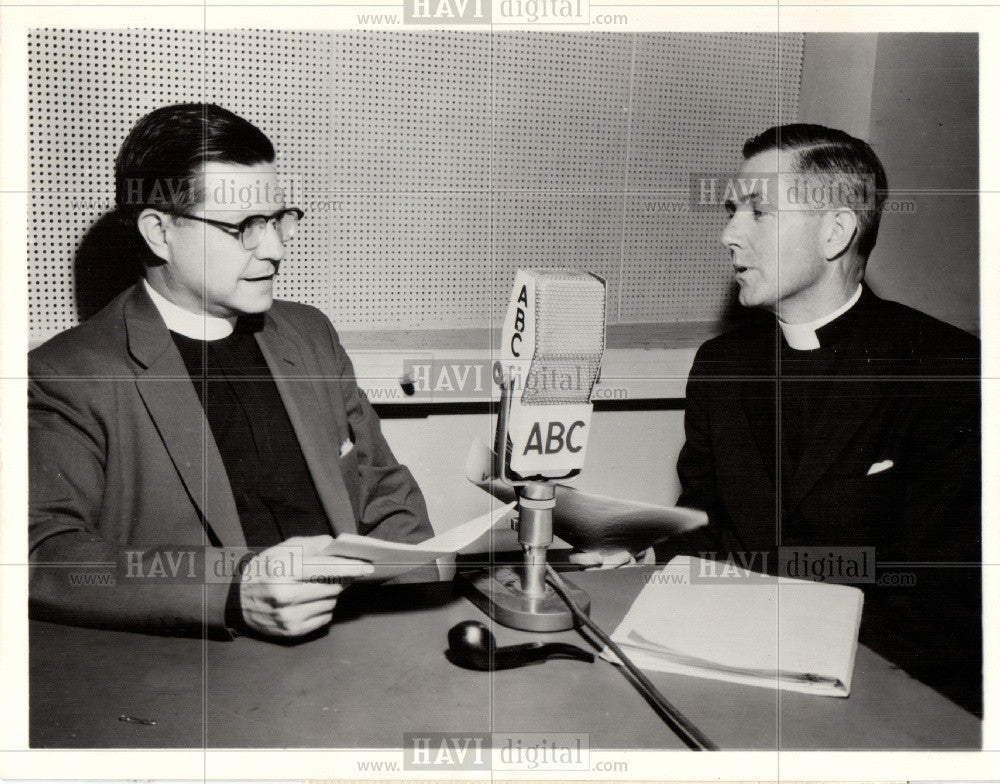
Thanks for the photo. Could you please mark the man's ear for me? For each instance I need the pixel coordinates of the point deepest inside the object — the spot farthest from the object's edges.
(152, 226)
(839, 229)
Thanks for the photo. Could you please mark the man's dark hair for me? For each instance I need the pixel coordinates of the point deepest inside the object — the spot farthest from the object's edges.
(159, 161)
(834, 154)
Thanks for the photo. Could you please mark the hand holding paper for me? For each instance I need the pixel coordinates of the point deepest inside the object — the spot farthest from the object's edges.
(288, 605)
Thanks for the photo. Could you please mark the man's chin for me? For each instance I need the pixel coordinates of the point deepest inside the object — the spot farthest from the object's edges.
(754, 298)
(746, 298)
(251, 305)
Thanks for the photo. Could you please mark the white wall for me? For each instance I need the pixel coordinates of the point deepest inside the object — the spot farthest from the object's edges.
(914, 97)
(925, 127)
(837, 75)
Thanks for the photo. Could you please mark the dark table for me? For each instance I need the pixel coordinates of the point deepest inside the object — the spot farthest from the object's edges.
(380, 672)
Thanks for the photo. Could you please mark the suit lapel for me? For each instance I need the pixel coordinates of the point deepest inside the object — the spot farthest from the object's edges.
(166, 390)
(752, 492)
(849, 401)
(756, 474)
(759, 395)
(760, 408)
(315, 424)
(845, 410)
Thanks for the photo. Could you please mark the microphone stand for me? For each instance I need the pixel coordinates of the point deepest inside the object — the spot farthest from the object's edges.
(535, 505)
(522, 598)
(525, 600)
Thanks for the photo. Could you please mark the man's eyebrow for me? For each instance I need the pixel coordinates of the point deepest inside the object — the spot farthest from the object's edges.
(742, 199)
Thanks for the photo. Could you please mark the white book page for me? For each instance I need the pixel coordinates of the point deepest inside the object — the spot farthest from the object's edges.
(760, 625)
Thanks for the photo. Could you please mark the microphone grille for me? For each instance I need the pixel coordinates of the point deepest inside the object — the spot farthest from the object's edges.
(569, 337)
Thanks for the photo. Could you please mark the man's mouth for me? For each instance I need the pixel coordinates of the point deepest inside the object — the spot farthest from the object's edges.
(260, 278)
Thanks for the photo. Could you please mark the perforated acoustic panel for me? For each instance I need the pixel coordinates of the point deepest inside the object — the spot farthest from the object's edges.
(87, 89)
(696, 98)
(411, 139)
(431, 164)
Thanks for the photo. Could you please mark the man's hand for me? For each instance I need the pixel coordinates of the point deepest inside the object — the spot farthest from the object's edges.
(283, 599)
(597, 559)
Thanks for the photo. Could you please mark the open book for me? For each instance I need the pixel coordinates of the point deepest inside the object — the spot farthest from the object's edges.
(392, 559)
(747, 628)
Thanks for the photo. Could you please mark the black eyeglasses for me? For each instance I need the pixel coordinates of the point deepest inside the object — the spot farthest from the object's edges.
(250, 231)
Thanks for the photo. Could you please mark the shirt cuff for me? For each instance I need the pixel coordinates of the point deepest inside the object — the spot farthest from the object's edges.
(234, 609)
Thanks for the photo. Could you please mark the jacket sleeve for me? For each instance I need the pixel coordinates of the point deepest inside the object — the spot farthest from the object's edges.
(392, 507)
(79, 576)
(695, 463)
(696, 471)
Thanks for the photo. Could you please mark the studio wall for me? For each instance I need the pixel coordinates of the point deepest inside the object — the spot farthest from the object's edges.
(431, 165)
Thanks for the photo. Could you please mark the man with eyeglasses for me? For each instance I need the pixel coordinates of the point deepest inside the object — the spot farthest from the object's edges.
(197, 436)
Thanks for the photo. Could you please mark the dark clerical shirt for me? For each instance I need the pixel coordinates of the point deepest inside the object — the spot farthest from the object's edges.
(274, 492)
(804, 387)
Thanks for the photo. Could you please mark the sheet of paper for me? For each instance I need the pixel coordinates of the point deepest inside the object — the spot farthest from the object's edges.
(589, 521)
(392, 559)
(454, 540)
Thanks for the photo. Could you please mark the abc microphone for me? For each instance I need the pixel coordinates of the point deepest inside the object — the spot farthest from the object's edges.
(550, 358)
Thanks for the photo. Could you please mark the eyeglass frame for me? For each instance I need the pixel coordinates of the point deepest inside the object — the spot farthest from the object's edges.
(235, 230)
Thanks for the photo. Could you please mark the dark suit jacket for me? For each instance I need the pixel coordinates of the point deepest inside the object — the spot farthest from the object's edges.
(121, 458)
(900, 393)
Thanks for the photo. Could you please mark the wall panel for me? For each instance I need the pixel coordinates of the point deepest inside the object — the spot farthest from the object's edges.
(431, 164)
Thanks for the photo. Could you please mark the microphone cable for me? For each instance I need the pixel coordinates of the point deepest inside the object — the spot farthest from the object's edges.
(693, 737)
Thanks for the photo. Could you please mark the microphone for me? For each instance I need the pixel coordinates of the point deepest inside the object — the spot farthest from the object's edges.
(552, 342)
(550, 358)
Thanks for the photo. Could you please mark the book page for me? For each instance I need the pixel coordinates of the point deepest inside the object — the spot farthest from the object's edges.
(760, 626)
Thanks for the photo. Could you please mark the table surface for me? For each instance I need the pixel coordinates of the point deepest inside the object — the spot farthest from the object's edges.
(380, 672)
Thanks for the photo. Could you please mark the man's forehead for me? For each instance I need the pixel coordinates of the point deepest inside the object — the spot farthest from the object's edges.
(230, 187)
(770, 162)
(769, 168)
(770, 176)
(754, 181)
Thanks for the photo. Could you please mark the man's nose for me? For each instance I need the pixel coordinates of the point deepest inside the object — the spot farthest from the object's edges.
(731, 232)
(271, 247)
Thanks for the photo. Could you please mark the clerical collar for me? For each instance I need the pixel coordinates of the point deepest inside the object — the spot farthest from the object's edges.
(190, 325)
(802, 337)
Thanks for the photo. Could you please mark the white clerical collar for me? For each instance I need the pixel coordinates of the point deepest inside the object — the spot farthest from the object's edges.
(190, 325)
(802, 337)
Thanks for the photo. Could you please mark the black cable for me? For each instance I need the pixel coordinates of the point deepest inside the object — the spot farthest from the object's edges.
(677, 721)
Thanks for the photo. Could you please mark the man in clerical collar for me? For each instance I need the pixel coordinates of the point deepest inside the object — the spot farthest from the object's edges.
(843, 432)
(198, 437)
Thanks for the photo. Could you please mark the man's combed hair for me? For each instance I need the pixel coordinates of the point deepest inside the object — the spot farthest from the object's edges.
(836, 157)
(160, 160)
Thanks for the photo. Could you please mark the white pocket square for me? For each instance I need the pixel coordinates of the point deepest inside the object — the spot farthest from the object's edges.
(346, 447)
(878, 468)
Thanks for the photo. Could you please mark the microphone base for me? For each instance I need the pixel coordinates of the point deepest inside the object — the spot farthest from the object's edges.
(497, 592)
